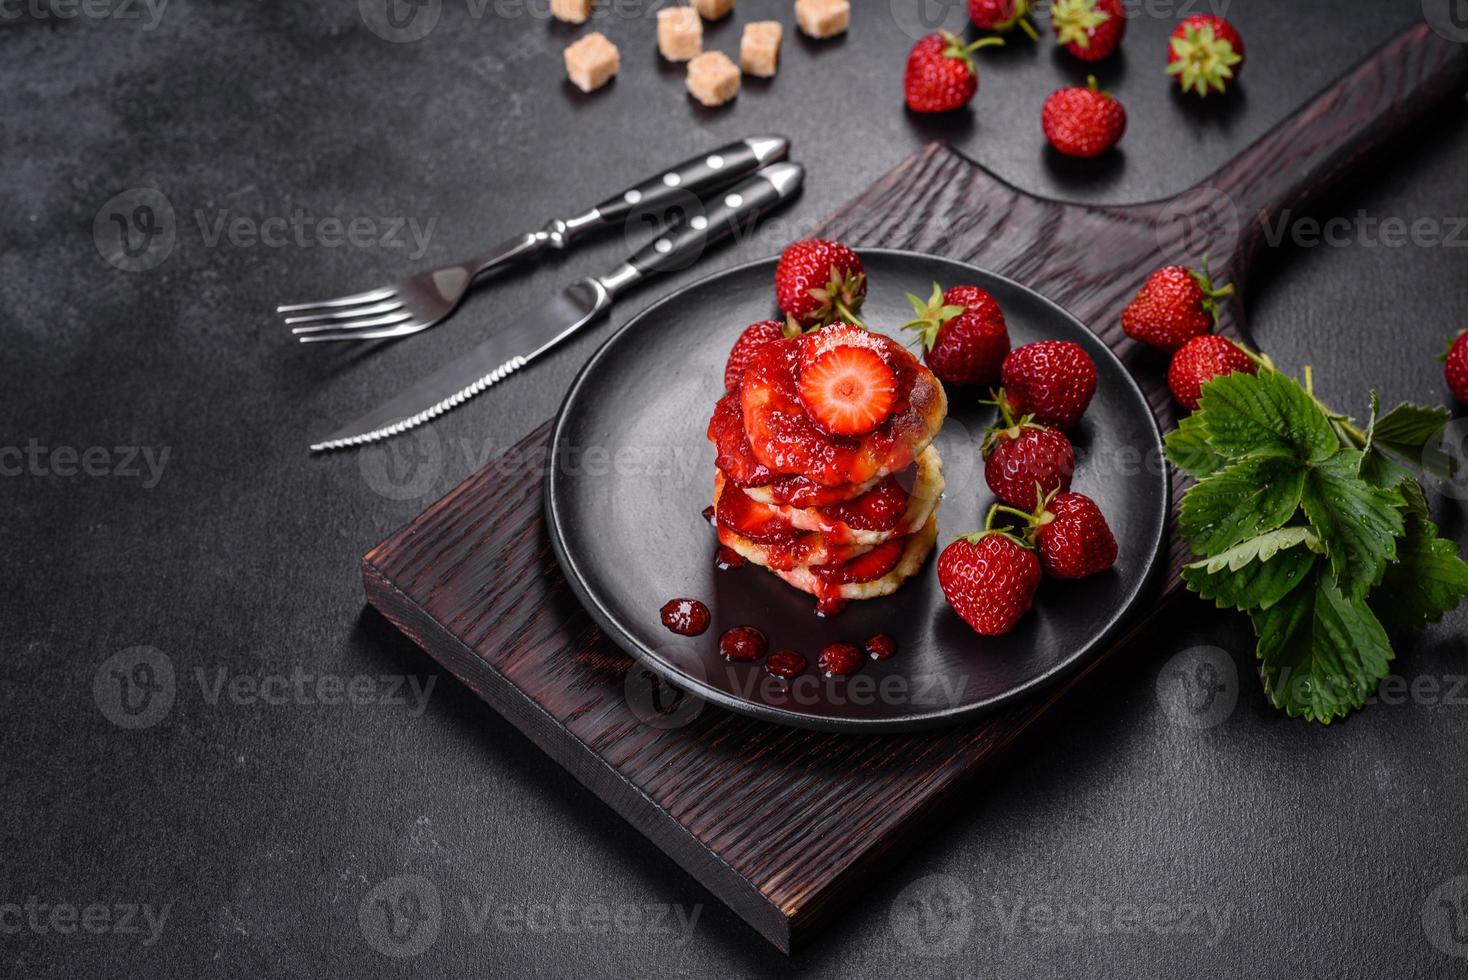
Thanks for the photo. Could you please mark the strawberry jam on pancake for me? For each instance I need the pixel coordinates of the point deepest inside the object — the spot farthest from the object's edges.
(759, 534)
(898, 504)
(785, 438)
(735, 459)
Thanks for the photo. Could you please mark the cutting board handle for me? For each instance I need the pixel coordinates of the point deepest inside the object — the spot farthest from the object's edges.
(1229, 213)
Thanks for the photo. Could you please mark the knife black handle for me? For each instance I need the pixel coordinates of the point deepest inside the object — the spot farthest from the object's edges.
(737, 210)
(690, 180)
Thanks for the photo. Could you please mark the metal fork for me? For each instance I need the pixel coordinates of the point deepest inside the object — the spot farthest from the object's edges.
(426, 299)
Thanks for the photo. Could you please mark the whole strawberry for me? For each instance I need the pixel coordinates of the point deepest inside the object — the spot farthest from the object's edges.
(1083, 121)
(1023, 461)
(1089, 29)
(989, 579)
(1201, 360)
(941, 74)
(1073, 538)
(1455, 366)
(1173, 306)
(750, 342)
(963, 333)
(817, 281)
(1205, 52)
(1002, 16)
(1051, 380)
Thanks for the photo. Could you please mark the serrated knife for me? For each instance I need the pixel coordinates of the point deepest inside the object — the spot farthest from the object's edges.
(560, 317)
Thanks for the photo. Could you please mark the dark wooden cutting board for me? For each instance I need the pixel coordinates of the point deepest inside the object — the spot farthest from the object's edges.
(780, 823)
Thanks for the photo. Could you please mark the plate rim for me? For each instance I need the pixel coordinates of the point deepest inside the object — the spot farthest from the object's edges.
(609, 625)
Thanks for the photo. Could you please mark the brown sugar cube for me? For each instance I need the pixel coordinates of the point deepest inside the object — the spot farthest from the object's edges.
(823, 18)
(591, 62)
(680, 33)
(759, 48)
(713, 9)
(571, 11)
(713, 78)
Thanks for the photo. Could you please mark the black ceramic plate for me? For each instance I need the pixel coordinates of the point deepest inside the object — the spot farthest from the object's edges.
(633, 471)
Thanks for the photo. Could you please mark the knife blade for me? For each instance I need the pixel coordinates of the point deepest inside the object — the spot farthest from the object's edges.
(564, 314)
(487, 364)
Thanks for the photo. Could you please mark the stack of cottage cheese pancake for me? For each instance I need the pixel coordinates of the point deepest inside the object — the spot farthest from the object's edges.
(826, 472)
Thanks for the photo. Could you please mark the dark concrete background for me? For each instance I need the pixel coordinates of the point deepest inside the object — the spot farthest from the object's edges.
(263, 828)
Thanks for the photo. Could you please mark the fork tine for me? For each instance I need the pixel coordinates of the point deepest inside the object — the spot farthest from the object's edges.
(376, 321)
(371, 296)
(387, 306)
(381, 333)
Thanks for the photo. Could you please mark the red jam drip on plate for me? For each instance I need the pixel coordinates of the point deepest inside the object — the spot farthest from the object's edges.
(785, 664)
(726, 558)
(881, 647)
(742, 644)
(830, 605)
(686, 617)
(840, 659)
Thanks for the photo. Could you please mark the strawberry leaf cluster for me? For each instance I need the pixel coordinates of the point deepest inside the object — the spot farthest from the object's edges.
(1317, 529)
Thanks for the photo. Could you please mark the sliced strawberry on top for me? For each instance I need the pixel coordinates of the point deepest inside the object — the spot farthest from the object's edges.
(848, 391)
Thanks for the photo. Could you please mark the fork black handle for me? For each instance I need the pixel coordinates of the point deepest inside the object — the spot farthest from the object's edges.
(684, 184)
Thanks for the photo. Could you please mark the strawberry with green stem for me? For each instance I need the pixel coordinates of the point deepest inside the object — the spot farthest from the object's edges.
(1205, 53)
(1069, 533)
(1089, 29)
(1083, 121)
(989, 578)
(963, 334)
(1173, 306)
(1002, 16)
(819, 281)
(1455, 366)
(941, 73)
(1024, 460)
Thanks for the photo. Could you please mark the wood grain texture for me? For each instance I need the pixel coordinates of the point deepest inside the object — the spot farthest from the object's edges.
(779, 823)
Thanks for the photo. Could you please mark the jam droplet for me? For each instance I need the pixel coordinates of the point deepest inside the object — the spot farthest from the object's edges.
(727, 558)
(840, 659)
(785, 664)
(830, 605)
(687, 617)
(881, 647)
(742, 644)
(708, 513)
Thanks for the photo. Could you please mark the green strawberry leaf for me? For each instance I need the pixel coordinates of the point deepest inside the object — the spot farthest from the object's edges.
(1257, 573)
(1253, 495)
(1415, 501)
(1265, 413)
(1426, 580)
(1407, 428)
(1321, 653)
(1381, 470)
(1188, 448)
(1357, 522)
(1408, 436)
